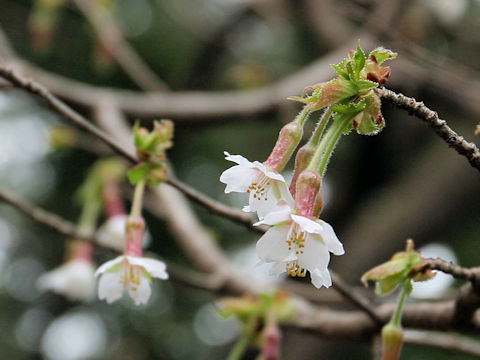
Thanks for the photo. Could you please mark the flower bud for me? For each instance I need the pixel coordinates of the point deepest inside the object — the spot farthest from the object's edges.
(308, 187)
(155, 142)
(405, 265)
(318, 206)
(392, 341)
(304, 155)
(370, 121)
(327, 93)
(375, 72)
(288, 139)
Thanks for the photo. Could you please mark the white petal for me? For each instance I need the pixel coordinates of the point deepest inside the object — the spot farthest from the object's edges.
(155, 268)
(272, 202)
(277, 269)
(140, 293)
(246, 208)
(74, 280)
(286, 195)
(239, 159)
(315, 254)
(238, 178)
(330, 238)
(272, 246)
(277, 217)
(307, 225)
(321, 278)
(112, 233)
(108, 265)
(269, 173)
(110, 287)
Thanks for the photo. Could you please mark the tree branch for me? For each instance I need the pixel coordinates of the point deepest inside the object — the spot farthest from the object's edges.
(46, 218)
(467, 149)
(71, 115)
(458, 272)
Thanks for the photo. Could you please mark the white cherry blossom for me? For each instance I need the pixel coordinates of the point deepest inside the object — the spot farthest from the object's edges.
(75, 280)
(112, 233)
(297, 244)
(266, 187)
(129, 273)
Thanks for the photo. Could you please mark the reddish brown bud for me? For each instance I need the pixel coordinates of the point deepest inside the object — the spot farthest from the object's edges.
(308, 187)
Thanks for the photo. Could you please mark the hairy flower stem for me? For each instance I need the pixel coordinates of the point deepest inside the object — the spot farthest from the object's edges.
(303, 115)
(320, 128)
(328, 143)
(136, 209)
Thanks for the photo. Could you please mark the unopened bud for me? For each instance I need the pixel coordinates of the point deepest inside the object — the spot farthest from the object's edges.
(392, 341)
(328, 93)
(308, 187)
(304, 155)
(288, 139)
(157, 175)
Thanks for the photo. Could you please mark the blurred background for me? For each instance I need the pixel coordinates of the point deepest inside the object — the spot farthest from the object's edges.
(379, 191)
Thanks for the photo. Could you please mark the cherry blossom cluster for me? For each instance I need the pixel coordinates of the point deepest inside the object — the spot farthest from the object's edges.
(298, 241)
(123, 232)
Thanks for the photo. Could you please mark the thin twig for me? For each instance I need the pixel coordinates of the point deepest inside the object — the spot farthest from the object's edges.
(62, 109)
(44, 217)
(458, 272)
(113, 40)
(359, 301)
(68, 113)
(463, 147)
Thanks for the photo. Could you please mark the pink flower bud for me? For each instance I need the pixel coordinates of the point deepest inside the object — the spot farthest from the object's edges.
(288, 139)
(308, 187)
(304, 155)
(135, 230)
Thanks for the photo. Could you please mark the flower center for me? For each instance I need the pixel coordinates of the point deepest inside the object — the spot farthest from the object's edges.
(131, 276)
(296, 242)
(293, 269)
(260, 187)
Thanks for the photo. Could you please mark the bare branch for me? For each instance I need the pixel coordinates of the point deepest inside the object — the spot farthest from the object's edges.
(71, 115)
(348, 293)
(41, 216)
(112, 38)
(62, 109)
(471, 274)
(467, 149)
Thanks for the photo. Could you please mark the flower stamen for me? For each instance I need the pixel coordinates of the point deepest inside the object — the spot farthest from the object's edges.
(259, 187)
